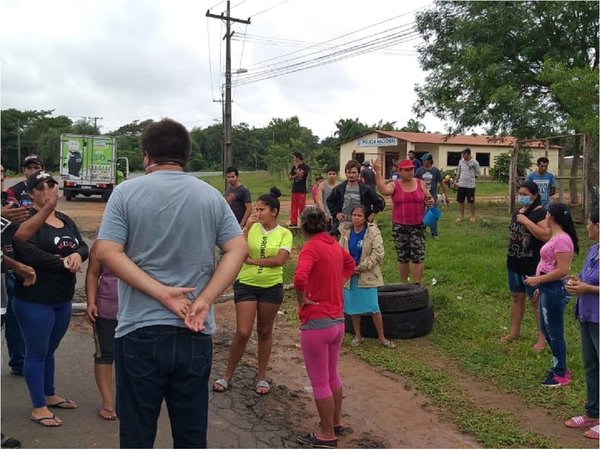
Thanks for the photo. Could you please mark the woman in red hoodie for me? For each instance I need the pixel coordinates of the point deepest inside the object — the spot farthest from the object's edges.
(322, 268)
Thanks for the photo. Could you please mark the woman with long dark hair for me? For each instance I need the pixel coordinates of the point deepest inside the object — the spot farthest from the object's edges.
(555, 260)
(528, 232)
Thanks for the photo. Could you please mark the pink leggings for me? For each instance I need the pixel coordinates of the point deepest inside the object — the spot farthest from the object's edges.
(321, 351)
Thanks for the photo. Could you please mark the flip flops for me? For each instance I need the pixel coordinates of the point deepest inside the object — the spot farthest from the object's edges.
(40, 420)
(64, 404)
(593, 432)
(221, 385)
(356, 342)
(581, 422)
(262, 384)
(107, 414)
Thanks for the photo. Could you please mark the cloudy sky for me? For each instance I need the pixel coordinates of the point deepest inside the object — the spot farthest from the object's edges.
(124, 60)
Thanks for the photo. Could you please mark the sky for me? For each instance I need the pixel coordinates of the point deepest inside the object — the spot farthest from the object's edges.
(126, 60)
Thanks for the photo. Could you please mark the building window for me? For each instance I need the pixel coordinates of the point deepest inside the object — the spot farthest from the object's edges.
(360, 157)
(483, 159)
(453, 158)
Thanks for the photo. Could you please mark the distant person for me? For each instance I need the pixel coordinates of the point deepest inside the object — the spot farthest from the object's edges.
(556, 256)
(409, 198)
(367, 175)
(162, 249)
(416, 162)
(324, 192)
(364, 243)
(351, 193)
(19, 192)
(238, 196)
(315, 189)
(258, 290)
(528, 231)
(101, 312)
(466, 174)
(585, 287)
(56, 253)
(322, 268)
(545, 180)
(432, 177)
(298, 174)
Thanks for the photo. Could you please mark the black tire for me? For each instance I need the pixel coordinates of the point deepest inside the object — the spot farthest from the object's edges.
(395, 298)
(404, 325)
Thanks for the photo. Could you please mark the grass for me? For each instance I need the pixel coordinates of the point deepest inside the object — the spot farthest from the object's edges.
(472, 307)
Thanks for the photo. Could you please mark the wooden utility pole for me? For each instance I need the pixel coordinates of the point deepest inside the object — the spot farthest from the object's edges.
(228, 153)
(95, 119)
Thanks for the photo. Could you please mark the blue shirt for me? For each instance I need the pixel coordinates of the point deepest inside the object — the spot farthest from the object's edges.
(544, 182)
(355, 244)
(169, 223)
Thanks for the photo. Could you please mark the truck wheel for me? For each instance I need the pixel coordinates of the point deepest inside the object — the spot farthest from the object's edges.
(403, 325)
(394, 298)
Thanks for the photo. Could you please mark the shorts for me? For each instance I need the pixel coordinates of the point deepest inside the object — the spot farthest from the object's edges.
(246, 293)
(468, 193)
(516, 283)
(104, 340)
(409, 241)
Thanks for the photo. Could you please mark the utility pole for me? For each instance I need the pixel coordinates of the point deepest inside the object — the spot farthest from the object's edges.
(228, 154)
(18, 145)
(95, 119)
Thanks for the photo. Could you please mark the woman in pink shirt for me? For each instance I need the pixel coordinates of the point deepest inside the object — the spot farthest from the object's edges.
(555, 260)
(409, 198)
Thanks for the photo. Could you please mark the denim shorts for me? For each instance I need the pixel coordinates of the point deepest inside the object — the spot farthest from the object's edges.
(516, 283)
(246, 293)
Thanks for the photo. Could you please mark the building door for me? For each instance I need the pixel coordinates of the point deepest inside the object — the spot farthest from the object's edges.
(390, 164)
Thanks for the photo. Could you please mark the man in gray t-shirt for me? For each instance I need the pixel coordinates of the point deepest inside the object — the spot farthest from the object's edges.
(162, 249)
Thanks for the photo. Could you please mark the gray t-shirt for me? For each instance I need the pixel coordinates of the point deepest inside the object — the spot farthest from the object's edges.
(169, 223)
(351, 201)
(468, 171)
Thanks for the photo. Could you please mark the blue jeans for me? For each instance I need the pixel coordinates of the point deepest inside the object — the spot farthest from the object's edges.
(43, 328)
(589, 351)
(163, 362)
(553, 299)
(12, 330)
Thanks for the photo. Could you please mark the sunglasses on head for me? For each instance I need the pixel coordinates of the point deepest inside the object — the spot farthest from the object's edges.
(40, 187)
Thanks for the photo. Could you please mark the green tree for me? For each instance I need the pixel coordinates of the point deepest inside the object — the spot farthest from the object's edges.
(488, 63)
(500, 171)
(348, 129)
(414, 126)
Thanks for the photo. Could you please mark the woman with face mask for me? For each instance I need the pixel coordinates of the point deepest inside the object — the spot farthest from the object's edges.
(528, 232)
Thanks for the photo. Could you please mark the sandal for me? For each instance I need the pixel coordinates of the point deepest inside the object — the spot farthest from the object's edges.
(65, 403)
(388, 344)
(40, 420)
(107, 414)
(593, 432)
(221, 385)
(581, 422)
(264, 386)
(356, 342)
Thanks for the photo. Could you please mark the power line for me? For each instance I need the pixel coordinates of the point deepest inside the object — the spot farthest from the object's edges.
(212, 89)
(268, 9)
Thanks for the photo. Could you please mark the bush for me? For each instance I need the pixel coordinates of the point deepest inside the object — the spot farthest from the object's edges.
(501, 170)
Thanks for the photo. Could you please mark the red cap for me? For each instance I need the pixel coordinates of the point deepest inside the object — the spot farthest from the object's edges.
(406, 164)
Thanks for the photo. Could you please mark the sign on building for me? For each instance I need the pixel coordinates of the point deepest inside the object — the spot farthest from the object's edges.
(377, 142)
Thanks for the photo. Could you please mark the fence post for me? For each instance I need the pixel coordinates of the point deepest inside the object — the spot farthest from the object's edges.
(513, 176)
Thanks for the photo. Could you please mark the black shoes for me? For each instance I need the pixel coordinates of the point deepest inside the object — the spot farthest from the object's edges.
(312, 440)
(8, 442)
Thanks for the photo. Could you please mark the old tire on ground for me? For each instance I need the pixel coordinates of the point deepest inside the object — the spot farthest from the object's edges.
(395, 298)
(402, 325)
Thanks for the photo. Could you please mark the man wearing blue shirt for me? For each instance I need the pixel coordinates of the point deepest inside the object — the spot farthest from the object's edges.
(545, 180)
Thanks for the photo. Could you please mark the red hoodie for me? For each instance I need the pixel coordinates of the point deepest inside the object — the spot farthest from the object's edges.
(323, 266)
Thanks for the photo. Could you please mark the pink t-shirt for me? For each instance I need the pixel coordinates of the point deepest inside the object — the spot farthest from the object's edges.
(561, 243)
(408, 207)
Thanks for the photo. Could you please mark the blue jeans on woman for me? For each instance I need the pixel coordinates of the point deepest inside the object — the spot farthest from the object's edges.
(43, 327)
(163, 362)
(589, 351)
(553, 299)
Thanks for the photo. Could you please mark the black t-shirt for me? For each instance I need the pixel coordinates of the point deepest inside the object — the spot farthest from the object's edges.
(523, 247)
(19, 193)
(299, 184)
(368, 176)
(237, 198)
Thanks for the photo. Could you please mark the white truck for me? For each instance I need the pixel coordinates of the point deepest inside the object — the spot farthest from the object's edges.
(89, 165)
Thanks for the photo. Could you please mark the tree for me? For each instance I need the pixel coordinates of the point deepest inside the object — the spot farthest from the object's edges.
(414, 126)
(488, 63)
(348, 129)
(500, 171)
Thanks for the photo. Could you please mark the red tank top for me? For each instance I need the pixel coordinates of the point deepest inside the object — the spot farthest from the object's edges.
(408, 207)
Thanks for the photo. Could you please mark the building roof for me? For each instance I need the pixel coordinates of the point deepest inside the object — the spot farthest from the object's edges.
(460, 139)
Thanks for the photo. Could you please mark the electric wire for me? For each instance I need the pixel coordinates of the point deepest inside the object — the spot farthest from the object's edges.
(212, 89)
(268, 9)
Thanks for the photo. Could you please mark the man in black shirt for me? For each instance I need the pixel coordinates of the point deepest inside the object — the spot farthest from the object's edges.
(298, 175)
(19, 192)
(237, 196)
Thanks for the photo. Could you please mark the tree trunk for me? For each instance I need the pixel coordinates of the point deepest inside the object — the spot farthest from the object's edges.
(590, 164)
